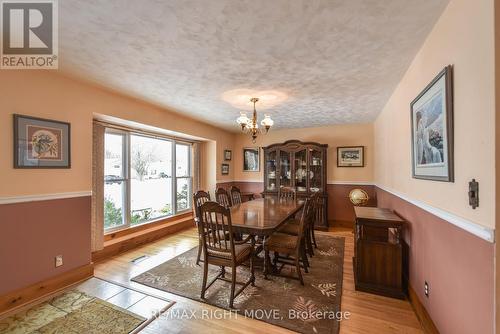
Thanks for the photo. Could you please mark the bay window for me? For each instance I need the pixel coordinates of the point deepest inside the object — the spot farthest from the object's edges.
(146, 178)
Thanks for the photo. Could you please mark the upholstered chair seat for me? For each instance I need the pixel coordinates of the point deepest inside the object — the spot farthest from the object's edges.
(279, 240)
(241, 253)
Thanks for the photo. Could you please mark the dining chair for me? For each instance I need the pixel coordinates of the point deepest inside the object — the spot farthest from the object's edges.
(235, 195)
(318, 215)
(224, 252)
(291, 226)
(199, 198)
(222, 197)
(287, 193)
(291, 246)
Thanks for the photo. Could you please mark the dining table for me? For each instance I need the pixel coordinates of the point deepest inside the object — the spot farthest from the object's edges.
(263, 216)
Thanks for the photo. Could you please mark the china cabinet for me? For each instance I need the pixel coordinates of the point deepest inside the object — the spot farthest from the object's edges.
(301, 165)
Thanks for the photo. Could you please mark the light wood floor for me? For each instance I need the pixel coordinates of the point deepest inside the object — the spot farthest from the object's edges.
(369, 313)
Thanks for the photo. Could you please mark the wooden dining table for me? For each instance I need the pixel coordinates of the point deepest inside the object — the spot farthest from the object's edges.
(263, 216)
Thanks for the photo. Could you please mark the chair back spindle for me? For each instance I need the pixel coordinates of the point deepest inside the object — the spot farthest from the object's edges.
(222, 197)
(216, 225)
(235, 195)
(287, 193)
(199, 198)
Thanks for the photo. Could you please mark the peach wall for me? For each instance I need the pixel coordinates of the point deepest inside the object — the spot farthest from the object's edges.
(463, 36)
(50, 95)
(335, 135)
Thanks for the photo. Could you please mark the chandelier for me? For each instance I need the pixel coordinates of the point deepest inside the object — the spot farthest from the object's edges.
(251, 126)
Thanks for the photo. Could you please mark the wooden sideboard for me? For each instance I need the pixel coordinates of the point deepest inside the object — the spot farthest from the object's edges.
(299, 165)
(380, 254)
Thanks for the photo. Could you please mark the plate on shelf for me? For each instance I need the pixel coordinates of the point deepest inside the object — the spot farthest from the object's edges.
(301, 188)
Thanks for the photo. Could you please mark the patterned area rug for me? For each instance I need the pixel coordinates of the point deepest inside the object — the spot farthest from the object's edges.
(313, 308)
(73, 312)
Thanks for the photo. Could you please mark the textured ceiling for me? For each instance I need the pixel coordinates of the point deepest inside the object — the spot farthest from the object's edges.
(337, 61)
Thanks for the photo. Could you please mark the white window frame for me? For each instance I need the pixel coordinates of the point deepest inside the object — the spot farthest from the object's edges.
(189, 177)
(126, 166)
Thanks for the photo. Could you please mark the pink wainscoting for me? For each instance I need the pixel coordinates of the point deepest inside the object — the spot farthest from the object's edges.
(33, 233)
(458, 266)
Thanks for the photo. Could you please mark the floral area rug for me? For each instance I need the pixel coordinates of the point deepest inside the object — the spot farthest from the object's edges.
(73, 312)
(313, 308)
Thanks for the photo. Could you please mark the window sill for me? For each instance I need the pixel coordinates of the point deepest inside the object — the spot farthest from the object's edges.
(137, 236)
(152, 225)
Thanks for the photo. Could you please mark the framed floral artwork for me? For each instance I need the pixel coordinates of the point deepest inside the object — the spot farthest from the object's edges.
(41, 143)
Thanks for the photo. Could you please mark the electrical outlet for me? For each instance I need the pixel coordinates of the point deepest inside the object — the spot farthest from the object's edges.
(426, 289)
(59, 260)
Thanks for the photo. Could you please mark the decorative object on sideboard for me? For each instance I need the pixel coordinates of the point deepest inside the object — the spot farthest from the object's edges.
(359, 197)
(251, 126)
(251, 161)
(432, 129)
(41, 143)
(474, 193)
(228, 155)
(225, 169)
(350, 156)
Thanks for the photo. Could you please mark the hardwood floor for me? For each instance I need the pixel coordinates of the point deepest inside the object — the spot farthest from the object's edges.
(369, 313)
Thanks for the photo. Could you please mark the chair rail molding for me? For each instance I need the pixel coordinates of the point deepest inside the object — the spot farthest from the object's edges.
(350, 183)
(483, 232)
(43, 197)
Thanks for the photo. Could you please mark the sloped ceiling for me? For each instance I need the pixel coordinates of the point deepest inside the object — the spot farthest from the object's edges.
(336, 61)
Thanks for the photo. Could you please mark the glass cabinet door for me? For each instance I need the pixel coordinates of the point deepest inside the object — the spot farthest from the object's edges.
(271, 170)
(285, 169)
(300, 170)
(315, 170)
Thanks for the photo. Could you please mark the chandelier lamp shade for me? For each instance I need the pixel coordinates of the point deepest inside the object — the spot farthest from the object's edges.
(251, 126)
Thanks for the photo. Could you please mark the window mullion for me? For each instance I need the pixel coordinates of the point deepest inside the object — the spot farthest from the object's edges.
(174, 178)
(128, 181)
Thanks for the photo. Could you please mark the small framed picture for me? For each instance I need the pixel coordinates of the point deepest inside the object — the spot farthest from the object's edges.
(41, 143)
(432, 129)
(225, 169)
(351, 156)
(251, 161)
(227, 155)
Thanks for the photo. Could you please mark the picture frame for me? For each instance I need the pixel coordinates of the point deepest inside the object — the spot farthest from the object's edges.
(431, 114)
(41, 143)
(228, 155)
(251, 159)
(225, 169)
(350, 156)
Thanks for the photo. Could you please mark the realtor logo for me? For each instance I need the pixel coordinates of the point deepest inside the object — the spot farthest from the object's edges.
(29, 34)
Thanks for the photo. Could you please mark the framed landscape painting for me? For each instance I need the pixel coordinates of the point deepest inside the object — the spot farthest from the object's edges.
(351, 156)
(432, 130)
(41, 143)
(251, 162)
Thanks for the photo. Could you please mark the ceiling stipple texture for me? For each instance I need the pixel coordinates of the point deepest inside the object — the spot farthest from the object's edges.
(337, 61)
